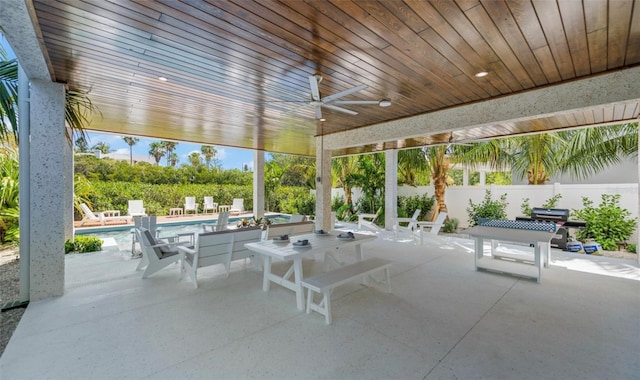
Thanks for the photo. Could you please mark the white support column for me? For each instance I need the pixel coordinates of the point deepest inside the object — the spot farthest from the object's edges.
(258, 183)
(24, 182)
(49, 148)
(323, 186)
(483, 178)
(465, 177)
(390, 188)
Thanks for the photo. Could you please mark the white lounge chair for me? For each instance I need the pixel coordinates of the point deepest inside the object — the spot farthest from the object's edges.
(101, 217)
(136, 208)
(237, 207)
(156, 253)
(411, 226)
(209, 205)
(433, 227)
(190, 205)
(219, 225)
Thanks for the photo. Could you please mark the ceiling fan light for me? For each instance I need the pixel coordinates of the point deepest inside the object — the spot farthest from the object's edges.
(384, 103)
(481, 74)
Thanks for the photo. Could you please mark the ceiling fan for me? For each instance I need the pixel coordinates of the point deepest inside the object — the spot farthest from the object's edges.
(332, 101)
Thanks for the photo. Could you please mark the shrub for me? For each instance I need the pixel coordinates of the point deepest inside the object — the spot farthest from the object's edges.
(525, 208)
(83, 244)
(631, 248)
(607, 224)
(450, 225)
(408, 205)
(487, 209)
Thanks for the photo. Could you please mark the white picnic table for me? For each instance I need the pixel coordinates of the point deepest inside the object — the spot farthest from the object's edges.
(285, 251)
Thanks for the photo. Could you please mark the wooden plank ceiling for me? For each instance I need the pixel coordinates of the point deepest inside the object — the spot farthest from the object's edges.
(238, 71)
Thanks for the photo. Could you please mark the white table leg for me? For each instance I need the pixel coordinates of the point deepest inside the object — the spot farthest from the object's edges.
(359, 252)
(297, 265)
(538, 260)
(479, 248)
(267, 272)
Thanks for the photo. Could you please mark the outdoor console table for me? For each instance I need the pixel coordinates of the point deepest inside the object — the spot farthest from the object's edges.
(534, 234)
(286, 251)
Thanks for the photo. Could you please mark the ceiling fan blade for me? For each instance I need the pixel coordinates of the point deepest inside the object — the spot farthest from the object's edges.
(356, 102)
(318, 112)
(340, 94)
(340, 109)
(315, 92)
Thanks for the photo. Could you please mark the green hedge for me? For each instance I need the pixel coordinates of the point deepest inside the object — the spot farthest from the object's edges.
(158, 199)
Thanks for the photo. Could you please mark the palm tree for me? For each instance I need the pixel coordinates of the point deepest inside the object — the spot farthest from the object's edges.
(157, 151)
(8, 96)
(169, 147)
(208, 152)
(343, 170)
(195, 159)
(410, 163)
(581, 152)
(131, 141)
(81, 145)
(172, 159)
(102, 147)
(438, 163)
(77, 112)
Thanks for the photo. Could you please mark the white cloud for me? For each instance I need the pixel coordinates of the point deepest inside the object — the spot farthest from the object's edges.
(122, 151)
(221, 153)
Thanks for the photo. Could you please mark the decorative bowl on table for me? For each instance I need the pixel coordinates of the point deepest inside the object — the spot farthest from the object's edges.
(281, 239)
(320, 232)
(346, 236)
(302, 243)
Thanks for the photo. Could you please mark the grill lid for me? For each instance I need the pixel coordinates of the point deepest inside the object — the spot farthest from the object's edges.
(550, 214)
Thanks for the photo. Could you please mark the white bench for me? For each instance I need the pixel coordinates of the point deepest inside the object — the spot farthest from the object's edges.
(220, 247)
(325, 282)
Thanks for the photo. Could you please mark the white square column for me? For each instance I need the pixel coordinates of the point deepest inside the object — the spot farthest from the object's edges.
(390, 188)
(50, 155)
(323, 186)
(258, 183)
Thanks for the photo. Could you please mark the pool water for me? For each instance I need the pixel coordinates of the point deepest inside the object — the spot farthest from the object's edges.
(123, 237)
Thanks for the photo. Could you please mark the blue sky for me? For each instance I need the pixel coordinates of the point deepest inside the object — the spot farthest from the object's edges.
(230, 158)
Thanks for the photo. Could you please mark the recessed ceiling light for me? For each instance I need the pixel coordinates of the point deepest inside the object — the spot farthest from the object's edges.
(323, 119)
(384, 103)
(481, 74)
(162, 79)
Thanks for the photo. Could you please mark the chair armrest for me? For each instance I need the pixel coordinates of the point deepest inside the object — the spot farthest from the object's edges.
(426, 224)
(182, 248)
(403, 220)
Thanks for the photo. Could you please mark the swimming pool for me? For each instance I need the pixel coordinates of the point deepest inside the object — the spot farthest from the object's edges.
(122, 234)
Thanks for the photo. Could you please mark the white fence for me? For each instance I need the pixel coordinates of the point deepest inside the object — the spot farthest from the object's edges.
(457, 197)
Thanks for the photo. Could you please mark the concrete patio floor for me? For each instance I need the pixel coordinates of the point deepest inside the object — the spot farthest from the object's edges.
(443, 320)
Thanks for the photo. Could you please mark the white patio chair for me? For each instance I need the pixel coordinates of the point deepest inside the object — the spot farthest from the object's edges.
(411, 226)
(237, 207)
(433, 227)
(136, 208)
(209, 205)
(190, 205)
(148, 222)
(367, 221)
(156, 253)
(220, 225)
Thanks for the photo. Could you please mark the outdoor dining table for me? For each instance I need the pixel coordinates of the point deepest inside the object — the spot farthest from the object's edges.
(285, 251)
